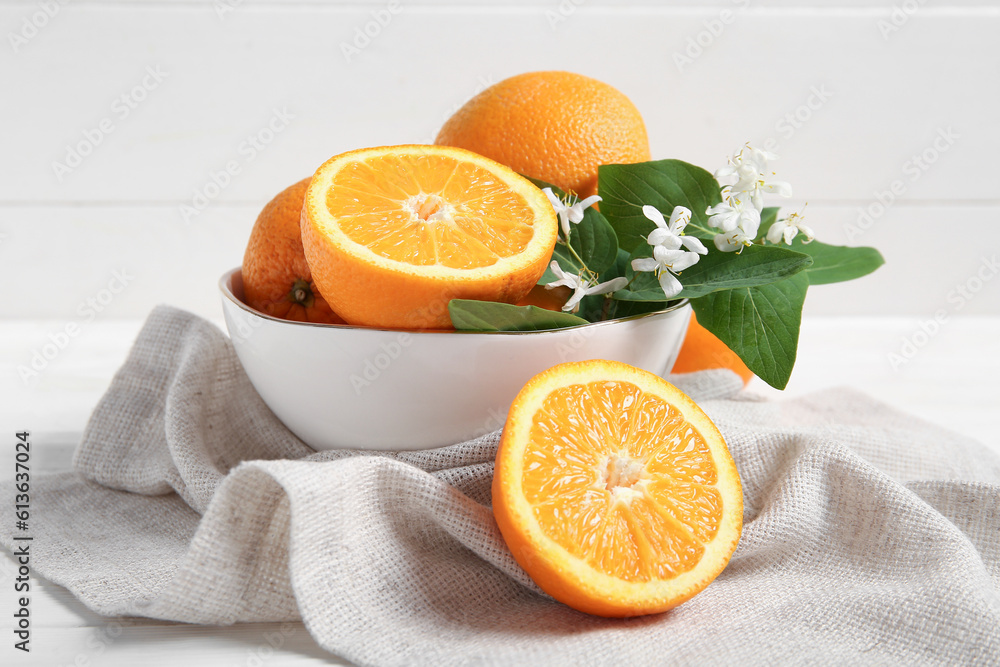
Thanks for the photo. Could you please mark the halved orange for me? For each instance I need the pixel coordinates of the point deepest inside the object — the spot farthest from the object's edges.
(614, 490)
(392, 234)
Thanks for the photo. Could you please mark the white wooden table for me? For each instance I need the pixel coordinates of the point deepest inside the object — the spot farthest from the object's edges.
(950, 379)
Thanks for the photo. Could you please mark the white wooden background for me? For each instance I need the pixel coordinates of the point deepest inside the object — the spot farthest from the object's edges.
(849, 91)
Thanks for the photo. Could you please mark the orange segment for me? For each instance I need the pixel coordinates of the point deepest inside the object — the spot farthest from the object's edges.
(393, 233)
(693, 505)
(668, 549)
(614, 490)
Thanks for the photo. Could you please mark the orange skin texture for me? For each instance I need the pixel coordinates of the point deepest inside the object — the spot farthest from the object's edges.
(394, 307)
(554, 126)
(374, 297)
(274, 263)
(702, 350)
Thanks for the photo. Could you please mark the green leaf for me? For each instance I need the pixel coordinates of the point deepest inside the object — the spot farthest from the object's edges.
(756, 265)
(619, 269)
(594, 241)
(664, 184)
(548, 276)
(760, 324)
(620, 309)
(627, 308)
(837, 263)
(469, 315)
(831, 263)
(592, 307)
(643, 286)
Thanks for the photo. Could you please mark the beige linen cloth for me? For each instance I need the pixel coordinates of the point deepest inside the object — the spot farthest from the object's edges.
(870, 537)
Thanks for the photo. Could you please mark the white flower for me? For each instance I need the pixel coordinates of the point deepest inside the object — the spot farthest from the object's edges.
(568, 214)
(749, 168)
(669, 235)
(745, 171)
(667, 241)
(664, 263)
(788, 228)
(581, 286)
(740, 236)
(734, 240)
(735, 211)
(738, 221)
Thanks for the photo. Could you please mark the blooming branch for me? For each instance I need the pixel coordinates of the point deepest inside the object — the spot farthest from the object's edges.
(667, 240)
(569, 213)
(738, 216)
(788, 228)
(581, 286)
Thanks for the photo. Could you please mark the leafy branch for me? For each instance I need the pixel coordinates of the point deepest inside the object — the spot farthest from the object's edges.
(751, 300)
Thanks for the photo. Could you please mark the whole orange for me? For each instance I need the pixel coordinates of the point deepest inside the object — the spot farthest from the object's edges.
(558, 127)
(276, 278)
(702, 350)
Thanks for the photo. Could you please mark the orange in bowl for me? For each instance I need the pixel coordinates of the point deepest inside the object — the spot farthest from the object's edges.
(558, 127)
(276, 278)
(393, 233)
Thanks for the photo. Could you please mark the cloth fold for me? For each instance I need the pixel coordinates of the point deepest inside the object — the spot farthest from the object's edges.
(870, 536)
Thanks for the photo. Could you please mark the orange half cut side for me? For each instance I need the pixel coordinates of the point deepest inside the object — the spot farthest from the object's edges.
(393, 233)
(614, 490)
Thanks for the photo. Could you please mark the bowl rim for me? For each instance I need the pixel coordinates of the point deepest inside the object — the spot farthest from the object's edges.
(227, 293)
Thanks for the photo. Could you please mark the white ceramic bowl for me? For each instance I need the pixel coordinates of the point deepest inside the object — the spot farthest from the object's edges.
(346, 387)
